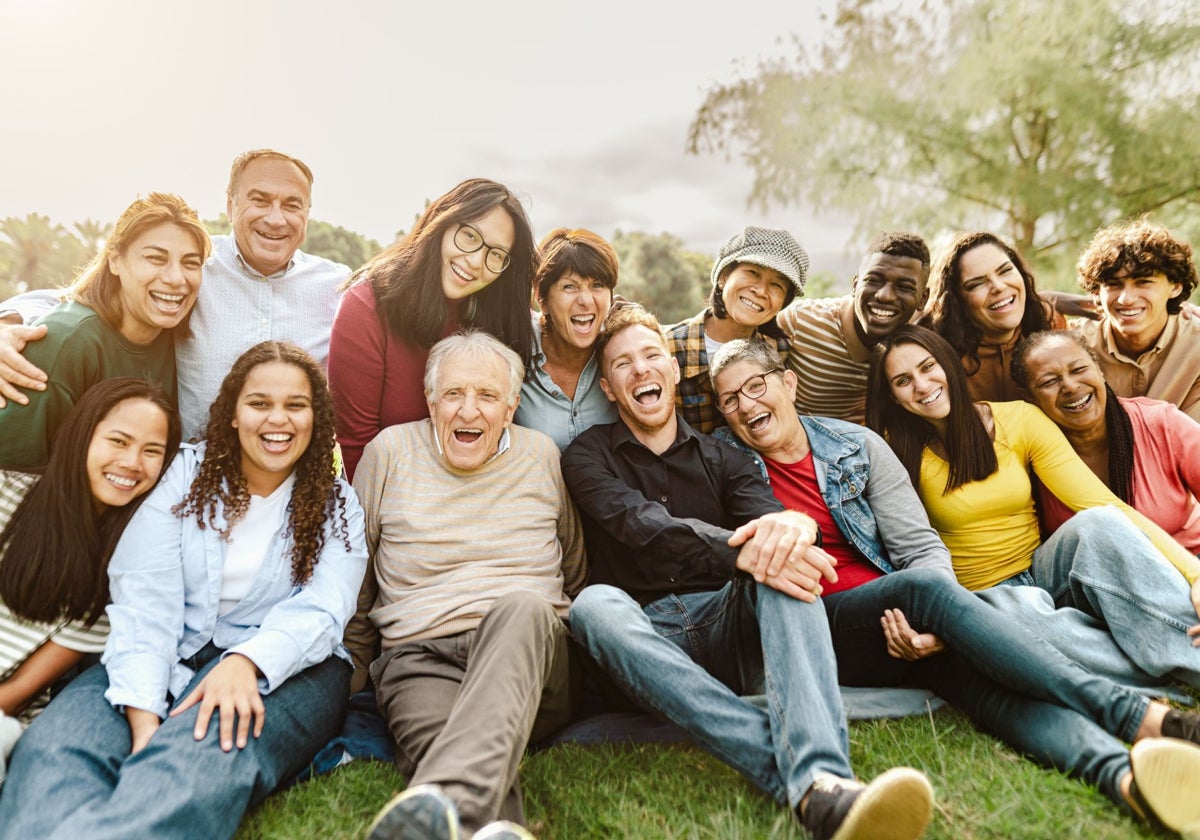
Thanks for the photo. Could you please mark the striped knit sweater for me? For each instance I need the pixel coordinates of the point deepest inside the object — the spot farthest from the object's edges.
(445, 544)
(828, 358)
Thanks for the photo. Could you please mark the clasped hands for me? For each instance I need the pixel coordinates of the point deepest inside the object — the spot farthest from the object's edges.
(778, 550)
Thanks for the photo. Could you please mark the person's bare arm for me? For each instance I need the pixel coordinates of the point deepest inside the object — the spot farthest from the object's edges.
(16, 372)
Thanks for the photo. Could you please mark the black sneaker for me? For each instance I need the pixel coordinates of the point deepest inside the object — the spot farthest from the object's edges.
(423, 812)
(897, 805)
(1182, 725)
(1166, 773)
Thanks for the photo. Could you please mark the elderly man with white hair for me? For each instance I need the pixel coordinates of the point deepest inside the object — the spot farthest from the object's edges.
(476, 549)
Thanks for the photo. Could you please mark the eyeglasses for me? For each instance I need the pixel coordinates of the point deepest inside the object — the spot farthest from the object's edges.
(753, 388)
(468, 240)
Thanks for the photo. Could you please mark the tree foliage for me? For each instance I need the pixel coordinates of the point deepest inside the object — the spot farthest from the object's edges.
(324, 239)
(37, 253)
(1041, 119)
(657, 272)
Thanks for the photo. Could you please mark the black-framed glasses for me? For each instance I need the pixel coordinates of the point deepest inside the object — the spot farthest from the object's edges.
(468, 240)
(752, 388)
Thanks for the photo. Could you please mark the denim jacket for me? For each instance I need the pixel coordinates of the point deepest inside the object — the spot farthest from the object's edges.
(869, 495)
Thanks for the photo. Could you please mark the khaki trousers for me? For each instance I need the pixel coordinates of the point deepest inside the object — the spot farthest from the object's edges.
(462, 708)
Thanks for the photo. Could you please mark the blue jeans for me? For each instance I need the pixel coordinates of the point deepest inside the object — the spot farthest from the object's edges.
(1009, 681)
(689, 657)
(1102, 565)
(72, 775)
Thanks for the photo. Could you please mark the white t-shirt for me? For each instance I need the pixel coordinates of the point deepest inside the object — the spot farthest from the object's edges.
(249, 541)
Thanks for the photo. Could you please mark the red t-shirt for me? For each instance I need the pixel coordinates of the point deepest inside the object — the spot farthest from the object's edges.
(795, 485)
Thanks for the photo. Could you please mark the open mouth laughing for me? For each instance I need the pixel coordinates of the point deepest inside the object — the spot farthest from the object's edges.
(1077, 405)
(647, 394)
(276, 442)
(468, 434)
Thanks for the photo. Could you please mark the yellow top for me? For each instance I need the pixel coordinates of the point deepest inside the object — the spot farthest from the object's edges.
(991, 527)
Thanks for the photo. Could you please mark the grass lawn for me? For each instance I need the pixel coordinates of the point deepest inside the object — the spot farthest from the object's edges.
(983, 789)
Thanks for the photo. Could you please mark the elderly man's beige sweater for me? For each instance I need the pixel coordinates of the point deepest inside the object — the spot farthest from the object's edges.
(445, 544)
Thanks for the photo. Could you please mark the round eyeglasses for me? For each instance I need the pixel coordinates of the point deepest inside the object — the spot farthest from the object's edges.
(468, 240)
(752, 388)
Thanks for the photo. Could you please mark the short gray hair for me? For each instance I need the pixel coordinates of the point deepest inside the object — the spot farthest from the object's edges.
(753, 349)
(477, 345)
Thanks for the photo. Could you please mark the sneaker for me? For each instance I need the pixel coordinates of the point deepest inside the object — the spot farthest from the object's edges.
(897, 805)
(423, 812)
(1166, 772)
(503, 830)
(1182, 725)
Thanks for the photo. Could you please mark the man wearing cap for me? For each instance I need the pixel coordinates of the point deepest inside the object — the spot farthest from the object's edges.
(831, 338)
(758, 272)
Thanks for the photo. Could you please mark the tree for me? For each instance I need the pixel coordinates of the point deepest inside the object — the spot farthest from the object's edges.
(658, 273)
(338, 244)
(36, 253)
(1041, 119)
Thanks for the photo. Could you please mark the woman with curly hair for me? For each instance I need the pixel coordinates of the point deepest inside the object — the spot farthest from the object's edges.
(224, 671)
(468, 262)
(58, 530)
(1140, 275)
(119, 318)
(971, 463)
(982, 299)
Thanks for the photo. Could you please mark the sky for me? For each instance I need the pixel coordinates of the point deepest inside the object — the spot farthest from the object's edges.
(581, 108)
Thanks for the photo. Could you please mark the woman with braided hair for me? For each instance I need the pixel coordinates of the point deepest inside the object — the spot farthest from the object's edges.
(224, 671)
(1144, 450)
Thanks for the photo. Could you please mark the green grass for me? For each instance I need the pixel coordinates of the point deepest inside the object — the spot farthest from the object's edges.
(983, 789)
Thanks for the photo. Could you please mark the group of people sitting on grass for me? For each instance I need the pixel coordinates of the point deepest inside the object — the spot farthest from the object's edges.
(239, 483)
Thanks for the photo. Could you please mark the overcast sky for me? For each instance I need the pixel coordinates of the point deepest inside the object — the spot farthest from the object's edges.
(582, 108)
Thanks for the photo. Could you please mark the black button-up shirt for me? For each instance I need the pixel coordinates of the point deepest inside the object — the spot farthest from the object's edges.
(659, 524)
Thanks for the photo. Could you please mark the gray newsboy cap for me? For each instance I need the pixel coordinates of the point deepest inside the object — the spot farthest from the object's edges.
(771, 247)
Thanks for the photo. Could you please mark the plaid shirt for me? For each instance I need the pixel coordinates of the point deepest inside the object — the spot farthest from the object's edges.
(694, 395)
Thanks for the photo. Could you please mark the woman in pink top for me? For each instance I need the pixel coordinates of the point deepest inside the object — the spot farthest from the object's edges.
(468, 262)
(1144, 450)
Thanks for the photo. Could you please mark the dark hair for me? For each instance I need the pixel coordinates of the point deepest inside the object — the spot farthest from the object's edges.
(246, 158)
(1138, 248)
(564, 251)
(219, 488)
(948, 315)
(98, 288)
(1117, 425)
(970, 452)
(56, 545)
(899, 244)
(716, 305)
(407, 275)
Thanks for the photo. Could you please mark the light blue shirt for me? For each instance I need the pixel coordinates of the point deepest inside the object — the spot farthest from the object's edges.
(545, 407)
(237, 308)
(165, 576)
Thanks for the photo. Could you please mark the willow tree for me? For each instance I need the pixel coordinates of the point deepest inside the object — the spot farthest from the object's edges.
(1039, 118)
